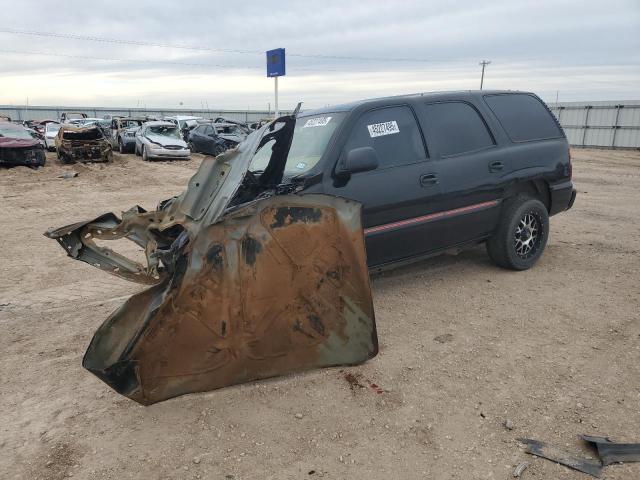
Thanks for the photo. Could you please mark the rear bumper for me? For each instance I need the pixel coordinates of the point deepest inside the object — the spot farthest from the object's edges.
(563, 195)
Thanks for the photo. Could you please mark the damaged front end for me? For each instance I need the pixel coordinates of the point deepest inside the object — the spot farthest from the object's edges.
(249, 280)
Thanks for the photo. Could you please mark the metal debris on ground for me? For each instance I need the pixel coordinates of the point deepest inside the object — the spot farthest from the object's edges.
(248, 280)
(68, 175)
(613, 452)
(607, 450)
(541, 449)
(519, 469)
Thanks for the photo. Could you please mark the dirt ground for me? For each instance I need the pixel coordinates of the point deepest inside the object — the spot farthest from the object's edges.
(465, 346)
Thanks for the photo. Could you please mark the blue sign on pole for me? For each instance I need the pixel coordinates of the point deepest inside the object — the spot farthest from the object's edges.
(275, 63)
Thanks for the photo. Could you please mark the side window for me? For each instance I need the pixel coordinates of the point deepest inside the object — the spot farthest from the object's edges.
(208, 130)
(392, 132)
(456, 127)
(523, 117)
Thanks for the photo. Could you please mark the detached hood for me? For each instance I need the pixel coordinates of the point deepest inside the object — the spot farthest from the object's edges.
(6, 142)
(248, 279)
(164, 140)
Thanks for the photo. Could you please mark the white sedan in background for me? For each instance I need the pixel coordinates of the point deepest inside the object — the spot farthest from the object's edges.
(50, 132)
(158, 140)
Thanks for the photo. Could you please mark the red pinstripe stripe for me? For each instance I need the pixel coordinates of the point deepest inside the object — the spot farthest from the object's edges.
(431, 216)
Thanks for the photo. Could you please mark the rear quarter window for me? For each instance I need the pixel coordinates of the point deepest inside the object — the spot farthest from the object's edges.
(523, 116)
(456, 127)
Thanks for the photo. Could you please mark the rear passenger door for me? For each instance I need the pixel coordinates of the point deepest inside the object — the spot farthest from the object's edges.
(471, 169)
(399, 195)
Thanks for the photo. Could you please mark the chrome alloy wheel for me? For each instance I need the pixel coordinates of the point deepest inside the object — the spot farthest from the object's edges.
(528, 231)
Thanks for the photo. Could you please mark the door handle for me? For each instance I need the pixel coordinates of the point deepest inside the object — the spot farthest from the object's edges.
(496, 166)
(428, 180)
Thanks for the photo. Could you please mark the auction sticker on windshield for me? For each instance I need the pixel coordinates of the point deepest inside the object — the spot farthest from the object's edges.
(385, 128)
(317, 122)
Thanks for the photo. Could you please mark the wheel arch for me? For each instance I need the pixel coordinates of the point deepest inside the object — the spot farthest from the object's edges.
(535, 188)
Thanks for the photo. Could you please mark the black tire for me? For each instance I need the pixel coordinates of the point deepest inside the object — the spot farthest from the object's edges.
(522, 234)
(192, 147)
(121, 147)
(136, 150)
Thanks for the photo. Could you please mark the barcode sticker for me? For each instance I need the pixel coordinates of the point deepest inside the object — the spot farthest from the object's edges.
(317, 122)
(385, 128)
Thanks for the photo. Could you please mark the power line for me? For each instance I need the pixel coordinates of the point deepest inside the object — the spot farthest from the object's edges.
(202, 48)
(111, 59)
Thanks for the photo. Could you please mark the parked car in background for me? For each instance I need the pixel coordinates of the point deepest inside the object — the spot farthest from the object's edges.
(205, 139)
(39, 125)
(230, 132)
(18, 146)
(246, 129)
(185, 123)
(123, 132)
(161, 140)
(50, 133)
(82, 144)
(434, 171)
(67, 116)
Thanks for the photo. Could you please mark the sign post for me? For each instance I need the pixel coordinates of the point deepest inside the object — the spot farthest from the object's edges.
(276, 68)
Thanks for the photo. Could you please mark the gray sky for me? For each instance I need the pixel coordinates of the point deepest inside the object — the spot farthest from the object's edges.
(586, 50)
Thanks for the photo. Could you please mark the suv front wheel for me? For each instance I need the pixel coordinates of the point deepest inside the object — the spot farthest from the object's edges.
(521, 235)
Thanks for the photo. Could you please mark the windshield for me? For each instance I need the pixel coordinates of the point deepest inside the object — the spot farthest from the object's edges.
(165, 131)
(15, 133)
(310, 139)
(131, 123)
(52, 127)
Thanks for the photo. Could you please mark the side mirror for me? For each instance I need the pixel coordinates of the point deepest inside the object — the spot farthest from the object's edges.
(360, 159)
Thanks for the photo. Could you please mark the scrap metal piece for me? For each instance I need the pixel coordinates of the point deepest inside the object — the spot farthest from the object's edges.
(541, 449)
(613, 452)
(249, 280)
(281, 285)
(521, 467)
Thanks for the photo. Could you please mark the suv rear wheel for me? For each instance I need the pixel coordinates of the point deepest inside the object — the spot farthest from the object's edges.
(521, 235)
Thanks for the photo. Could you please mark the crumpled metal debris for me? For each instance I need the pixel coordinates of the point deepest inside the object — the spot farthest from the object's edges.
(608, 452)
(248, 280)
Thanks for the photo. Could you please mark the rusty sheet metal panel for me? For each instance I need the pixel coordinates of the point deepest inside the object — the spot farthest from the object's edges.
(279, 285)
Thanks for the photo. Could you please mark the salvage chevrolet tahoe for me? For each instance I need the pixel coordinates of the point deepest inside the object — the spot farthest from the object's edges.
(259, 267)
(438, 171)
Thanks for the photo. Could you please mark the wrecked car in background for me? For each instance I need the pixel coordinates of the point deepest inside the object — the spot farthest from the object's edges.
(160, 140)
(123, 132)
(50, 133)
(248, 280)
(82, 144)
(205, 139)
(19, 146)
(68, 116)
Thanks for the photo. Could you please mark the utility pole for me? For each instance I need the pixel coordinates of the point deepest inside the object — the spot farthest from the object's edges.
(484, 63)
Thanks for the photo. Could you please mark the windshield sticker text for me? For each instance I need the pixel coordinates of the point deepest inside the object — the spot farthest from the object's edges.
(317, 122)
(385, 128)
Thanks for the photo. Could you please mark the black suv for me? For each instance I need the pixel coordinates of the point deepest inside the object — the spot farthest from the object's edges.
(436, 171)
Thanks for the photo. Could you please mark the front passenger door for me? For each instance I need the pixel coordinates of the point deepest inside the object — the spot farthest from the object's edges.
(399, 196)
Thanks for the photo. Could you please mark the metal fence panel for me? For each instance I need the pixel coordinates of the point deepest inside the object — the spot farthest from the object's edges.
(23, 112)
(600, 124)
